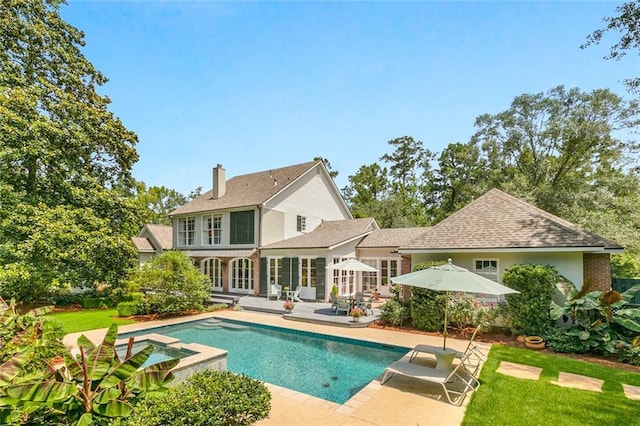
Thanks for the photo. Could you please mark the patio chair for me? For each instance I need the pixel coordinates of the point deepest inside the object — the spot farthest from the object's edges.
(273, 291)
(334, 301)
(342, 304)
(456, 383)
(296, 295)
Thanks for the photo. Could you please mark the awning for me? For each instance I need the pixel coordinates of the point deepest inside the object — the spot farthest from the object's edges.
(220, 253)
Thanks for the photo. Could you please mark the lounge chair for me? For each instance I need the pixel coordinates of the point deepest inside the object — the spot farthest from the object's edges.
(334, 301)
(342, 304)
(475, 357)
(456, 383)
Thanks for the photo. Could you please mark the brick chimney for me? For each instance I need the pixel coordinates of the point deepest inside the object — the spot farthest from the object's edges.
(219, 182)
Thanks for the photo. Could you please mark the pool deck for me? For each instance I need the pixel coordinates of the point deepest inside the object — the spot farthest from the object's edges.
(401, 401)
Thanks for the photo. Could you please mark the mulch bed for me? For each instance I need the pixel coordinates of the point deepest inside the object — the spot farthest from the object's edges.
(502, 338)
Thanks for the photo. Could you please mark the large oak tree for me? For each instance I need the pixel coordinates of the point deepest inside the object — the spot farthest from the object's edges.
(65, 160)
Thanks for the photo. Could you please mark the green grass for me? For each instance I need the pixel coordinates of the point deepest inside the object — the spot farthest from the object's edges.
(88, 319)
(504, 400)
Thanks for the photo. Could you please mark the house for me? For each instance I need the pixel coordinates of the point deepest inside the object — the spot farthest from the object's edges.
(152, 240)
(498, 230)
(285, 226)
(224, 230)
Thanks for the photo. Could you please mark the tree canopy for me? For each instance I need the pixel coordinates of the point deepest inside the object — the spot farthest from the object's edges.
(65, 162)
(627, 24)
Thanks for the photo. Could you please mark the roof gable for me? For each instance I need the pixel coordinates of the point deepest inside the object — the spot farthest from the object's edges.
(248, 190)
(391, 237)
(329, 234)
(497, 220)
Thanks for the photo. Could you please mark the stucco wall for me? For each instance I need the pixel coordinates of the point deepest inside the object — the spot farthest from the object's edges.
(568, 264)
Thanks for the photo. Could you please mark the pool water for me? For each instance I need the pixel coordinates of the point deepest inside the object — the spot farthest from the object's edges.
(328, 367)
(160, 353)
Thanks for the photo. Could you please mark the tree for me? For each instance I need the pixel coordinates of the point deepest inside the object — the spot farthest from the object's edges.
(65, 159)
(549, 146)
(366, 188)
(627, 22)
(172, 283)
(158, 202)
(327, 164)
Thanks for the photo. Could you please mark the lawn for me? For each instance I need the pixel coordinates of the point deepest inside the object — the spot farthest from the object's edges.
(88, 319)
(504, 400)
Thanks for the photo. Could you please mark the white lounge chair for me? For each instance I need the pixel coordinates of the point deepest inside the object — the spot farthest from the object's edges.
(273, 291)
(475, 357)
(456, 383)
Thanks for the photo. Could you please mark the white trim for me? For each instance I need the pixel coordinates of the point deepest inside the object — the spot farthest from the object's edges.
(333, 247)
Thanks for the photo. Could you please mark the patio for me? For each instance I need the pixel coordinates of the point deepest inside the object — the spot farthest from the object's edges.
(313, 312)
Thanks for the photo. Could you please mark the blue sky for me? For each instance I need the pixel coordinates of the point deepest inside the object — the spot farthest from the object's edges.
(261, 85)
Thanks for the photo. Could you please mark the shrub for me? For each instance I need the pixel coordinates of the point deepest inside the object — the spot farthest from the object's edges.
(427, 309)
(172, 284)
(393, 312)
(561, 340)
(95, 302)
(529, 310)
(206, 398)
(127, 309)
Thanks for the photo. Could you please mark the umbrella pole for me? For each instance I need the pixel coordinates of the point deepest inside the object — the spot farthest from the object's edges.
(446, 319)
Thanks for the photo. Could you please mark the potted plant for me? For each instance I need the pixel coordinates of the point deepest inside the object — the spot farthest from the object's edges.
(356, 313)
(288, 306)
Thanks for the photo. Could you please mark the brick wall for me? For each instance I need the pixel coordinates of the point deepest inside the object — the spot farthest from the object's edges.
(597, 270)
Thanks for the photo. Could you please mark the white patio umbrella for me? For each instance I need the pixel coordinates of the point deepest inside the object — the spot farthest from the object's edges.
(351, 264)
(448, 278)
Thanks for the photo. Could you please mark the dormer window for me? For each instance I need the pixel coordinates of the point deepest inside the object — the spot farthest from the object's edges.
(301, 223)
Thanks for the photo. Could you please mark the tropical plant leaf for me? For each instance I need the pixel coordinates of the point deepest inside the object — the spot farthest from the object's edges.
(85, 420)
(628, 295)
(86, 345)
(584, 335)
(47, 391)
(629, 318)
(73, 366)
(566, 287)
(610, 297)
(102, 358)
(154, 376)
(12, 368)
(113, 408)
(128, 368)
(557, 311)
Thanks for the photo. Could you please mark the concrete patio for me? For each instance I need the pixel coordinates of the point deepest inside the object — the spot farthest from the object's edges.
(313, 312)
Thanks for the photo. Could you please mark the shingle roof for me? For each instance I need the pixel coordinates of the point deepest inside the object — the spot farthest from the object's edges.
(497, 220)
(391, 237)
(163, 235)
(142, 244)
(248, 190)
(329, 234)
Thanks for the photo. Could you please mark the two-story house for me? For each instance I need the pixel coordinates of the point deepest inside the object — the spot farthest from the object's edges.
(223, 229)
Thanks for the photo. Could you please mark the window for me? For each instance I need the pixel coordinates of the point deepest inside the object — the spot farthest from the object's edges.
(488, 268)
(307, 272)
(213, 269)
(301, 223)
(344, 280)
(388, 270)
(242, 227)
(242, 275)
(186, 231)
(212, 229)
(275, 270)
(370, 279)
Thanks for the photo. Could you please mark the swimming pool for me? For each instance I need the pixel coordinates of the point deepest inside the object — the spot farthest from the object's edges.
(331, 368)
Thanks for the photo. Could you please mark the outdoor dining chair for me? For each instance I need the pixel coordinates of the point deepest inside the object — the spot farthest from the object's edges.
(342, 305)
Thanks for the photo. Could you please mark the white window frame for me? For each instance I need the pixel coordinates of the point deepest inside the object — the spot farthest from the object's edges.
(274, 271)
(241, 275)
(212, 267)
(492, 275)
(187, 231)
(370, 278)
(308, 271)
(212, 229)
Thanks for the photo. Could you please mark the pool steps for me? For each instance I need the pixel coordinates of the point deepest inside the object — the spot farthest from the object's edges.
(214, 324)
